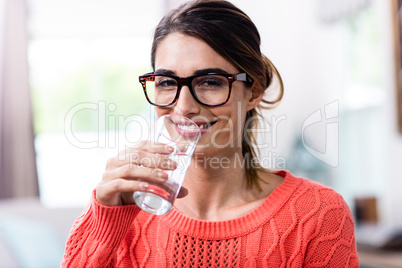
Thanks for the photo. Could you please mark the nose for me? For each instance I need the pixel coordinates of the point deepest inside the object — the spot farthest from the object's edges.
(186, 105)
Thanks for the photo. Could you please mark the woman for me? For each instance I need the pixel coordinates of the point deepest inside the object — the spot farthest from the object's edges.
(235, 213)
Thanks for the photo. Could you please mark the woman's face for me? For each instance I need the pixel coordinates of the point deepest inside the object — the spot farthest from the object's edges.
(183, 55)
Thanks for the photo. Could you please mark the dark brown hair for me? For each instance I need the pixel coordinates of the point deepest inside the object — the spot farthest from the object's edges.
(232, 34)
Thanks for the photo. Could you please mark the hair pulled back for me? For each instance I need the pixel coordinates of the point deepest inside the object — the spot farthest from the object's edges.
(232, 34)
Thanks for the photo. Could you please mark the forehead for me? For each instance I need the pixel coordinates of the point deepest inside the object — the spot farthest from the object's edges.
(184, 54)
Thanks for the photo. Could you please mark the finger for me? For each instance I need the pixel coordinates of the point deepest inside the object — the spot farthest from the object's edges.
(108, 193)
(135, 172)
(149, 146)
(152, 160)
(142, 158)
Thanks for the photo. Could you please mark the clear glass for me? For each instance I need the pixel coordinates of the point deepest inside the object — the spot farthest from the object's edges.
(182, 134)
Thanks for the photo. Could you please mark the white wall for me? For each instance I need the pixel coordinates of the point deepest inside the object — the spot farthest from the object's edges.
(313, 60)
(310, 57)
(392, 198)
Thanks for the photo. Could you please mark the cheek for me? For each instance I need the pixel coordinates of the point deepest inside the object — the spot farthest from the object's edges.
(162, 111)
(232, 122)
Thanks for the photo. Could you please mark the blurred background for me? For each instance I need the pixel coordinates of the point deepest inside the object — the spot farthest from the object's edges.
(70, 99)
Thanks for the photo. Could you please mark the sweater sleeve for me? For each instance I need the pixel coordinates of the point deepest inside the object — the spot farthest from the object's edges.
(333, 243)
(96, 235)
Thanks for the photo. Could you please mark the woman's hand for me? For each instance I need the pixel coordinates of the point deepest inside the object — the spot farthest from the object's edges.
(146, 162)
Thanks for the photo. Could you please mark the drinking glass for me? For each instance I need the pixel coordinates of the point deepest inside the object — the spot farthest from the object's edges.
(182, 134)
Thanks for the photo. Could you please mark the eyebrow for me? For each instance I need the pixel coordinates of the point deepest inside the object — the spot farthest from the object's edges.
(197, 72)
(164, 71)
(210, 70)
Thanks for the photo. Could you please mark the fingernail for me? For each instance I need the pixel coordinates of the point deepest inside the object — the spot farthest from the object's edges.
(144, 185)
(172, 164)
(169, 148)
(162, 176)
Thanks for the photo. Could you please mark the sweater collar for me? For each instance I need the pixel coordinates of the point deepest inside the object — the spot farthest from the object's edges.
(239, 226)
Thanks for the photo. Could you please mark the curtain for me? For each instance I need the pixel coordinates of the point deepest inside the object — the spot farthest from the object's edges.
(18, 176)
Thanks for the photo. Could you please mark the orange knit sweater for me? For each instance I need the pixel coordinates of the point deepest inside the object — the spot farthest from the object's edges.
(301, 224)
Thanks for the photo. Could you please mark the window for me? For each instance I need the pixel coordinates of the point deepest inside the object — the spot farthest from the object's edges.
(85, 57)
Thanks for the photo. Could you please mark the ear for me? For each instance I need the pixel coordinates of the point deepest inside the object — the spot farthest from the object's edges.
(254, 96)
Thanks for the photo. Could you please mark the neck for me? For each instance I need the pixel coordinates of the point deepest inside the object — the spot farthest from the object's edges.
(215, 185)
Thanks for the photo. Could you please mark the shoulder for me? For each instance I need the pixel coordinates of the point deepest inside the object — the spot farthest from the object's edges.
(308, 197)
(314, 191)
(320, 210)
(326, 223)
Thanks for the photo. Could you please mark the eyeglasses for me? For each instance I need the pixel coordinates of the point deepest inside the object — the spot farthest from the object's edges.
(208, 89)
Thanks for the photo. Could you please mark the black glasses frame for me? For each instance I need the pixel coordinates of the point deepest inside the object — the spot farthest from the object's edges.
(186, 81)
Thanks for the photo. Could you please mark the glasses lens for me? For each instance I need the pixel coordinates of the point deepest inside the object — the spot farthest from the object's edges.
(211, 89)
(162, 91)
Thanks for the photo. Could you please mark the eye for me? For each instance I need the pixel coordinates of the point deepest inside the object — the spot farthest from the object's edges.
(210, 81)
(165, 83)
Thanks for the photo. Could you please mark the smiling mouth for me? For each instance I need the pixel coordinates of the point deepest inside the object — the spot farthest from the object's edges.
(187, 127)
(201, 126)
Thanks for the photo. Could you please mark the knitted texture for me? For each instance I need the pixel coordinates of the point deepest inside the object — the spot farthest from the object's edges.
(300, 224)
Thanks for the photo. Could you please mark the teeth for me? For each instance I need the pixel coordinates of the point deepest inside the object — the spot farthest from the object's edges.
(192, 127)
(184, 127)
(204, 126)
